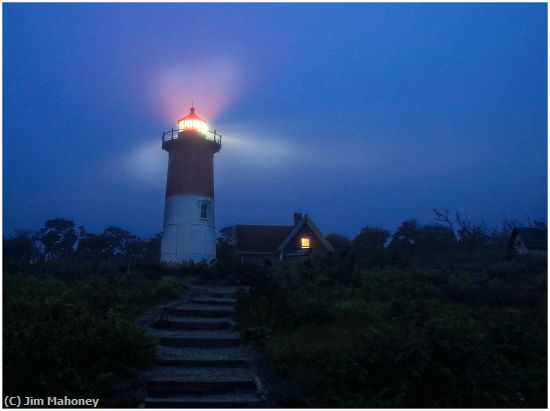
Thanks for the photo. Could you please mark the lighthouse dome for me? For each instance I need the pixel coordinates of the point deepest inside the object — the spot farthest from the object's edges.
(192, 122)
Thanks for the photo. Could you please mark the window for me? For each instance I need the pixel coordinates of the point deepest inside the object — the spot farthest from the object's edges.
(204, 208)
(204, 211)
(305, 242)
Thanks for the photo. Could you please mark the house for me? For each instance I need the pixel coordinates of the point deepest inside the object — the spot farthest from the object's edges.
(281, 243)
(528, 240)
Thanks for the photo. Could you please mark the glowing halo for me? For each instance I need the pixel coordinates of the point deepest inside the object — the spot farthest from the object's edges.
(212, 83)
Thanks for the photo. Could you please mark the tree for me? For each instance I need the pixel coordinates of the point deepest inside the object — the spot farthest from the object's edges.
(136, 248)
(444, 219)
(20, 247)
(57, 238)
(472, 237)
(225, 243)
(93, 246)
(433, 239)
(341, 244)
(408, 232)
(121, 243)
(370, 240)
(498, 237)
(152, 248)
(413, 239)
(469, 237)
(404, 240)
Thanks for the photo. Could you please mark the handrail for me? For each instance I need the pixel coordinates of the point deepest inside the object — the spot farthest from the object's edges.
(174, 135)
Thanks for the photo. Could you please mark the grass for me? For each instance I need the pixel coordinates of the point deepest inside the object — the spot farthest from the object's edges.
(78, 337)
(471, 334)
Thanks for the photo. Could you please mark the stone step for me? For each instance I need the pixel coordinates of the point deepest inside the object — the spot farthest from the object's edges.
(198, 339)
(202, 357)
(199, 310)
(228, 352)
(192, 324)
(213, 294)
(178, 385)
(199, 374)
(202, 354)
(221, 289)
(214, 301)
(203, 363)
(233, 400)
(200, 342)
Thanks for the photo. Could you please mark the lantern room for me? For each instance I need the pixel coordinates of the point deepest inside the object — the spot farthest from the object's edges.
(189, 128)
(192, 122)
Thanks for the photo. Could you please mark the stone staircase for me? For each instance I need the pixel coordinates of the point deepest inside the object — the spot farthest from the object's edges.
(201, 362)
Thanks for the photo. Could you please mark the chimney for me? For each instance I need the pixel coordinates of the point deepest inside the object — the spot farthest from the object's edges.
(297, 218)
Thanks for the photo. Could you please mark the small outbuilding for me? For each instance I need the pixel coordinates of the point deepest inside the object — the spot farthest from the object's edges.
(281, 243)
(528, 240)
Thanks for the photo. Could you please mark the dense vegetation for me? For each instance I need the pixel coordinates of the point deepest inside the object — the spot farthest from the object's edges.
(429, 316)
(433, 316)
(70, 300)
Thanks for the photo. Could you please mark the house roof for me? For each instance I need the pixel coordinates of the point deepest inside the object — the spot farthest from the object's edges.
(533, 238)
(273, 238)
(306, 221)
(261, 238)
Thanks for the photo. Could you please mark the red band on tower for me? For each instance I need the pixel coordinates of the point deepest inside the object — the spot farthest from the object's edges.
(191, 168)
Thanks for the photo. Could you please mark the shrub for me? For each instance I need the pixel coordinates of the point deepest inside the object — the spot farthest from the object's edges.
(471, 333)
(75, 338)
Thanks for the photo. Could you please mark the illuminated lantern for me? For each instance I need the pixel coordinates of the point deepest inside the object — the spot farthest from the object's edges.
(192, 122)
(189, 232)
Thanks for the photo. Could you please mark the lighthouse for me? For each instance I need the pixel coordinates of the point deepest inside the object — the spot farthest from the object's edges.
(189, 232)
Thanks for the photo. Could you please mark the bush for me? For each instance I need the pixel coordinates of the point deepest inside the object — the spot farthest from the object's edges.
(75, 338)
(471, 333)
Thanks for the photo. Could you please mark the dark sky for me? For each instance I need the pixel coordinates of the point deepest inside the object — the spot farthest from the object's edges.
(358, 114)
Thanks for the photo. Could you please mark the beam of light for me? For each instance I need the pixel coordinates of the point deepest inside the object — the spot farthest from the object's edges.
(244, 148)
(263, 147)
(146, 164)
(210, 82)
(250, 151)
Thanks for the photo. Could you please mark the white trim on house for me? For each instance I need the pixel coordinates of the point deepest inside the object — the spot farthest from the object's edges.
(313, 227)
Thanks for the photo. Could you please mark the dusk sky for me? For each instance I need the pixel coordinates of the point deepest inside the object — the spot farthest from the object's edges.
(357, 114)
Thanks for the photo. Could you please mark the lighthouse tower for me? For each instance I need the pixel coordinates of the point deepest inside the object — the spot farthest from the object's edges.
(189, 232)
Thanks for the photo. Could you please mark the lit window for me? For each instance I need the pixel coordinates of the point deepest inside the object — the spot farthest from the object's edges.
(306, 243)
(204, 211)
